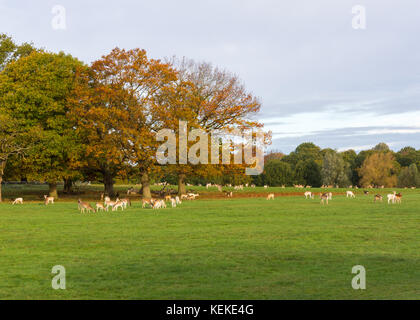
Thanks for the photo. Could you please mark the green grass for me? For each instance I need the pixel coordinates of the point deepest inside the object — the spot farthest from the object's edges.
(289, 248)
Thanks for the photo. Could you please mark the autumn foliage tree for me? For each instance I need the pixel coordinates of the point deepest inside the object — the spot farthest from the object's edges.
(216, 102)
(117, 107)
(379, 169)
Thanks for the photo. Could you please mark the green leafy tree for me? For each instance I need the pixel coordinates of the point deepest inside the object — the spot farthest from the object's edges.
(407, 156)
(35, 90)
(409, 177)
(277, 173)
(10, 51)
(350, 157)
(335, 171)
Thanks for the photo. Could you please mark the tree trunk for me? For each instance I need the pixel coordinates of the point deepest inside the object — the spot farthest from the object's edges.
(2, 165)
(68, 185)
(109, 184)
(1, 180)
(53, 190)
(181, 184)
(145, 183)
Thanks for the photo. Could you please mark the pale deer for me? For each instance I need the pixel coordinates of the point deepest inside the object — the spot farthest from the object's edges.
(18, 200)
(391, 197)
(163, 203)
(157, 205)
(99, 207)
(270, 196)
(126, 202)
(48, 200)
(350, 194)
(111, 204)
(118, 204)
(309, 194)
(146, 202)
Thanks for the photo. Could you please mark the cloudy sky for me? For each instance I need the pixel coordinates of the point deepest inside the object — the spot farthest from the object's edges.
(319, 79)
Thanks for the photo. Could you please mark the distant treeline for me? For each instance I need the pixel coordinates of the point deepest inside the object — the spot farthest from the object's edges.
(309, 165)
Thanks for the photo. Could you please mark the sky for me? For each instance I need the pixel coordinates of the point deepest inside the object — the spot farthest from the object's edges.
(321, 74)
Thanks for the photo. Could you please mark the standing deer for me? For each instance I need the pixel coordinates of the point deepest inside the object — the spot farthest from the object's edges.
(378, 197)
(118, 204)
(398, 198)
(324, 197)
(391, 197)
(84, 206)
(48, 200)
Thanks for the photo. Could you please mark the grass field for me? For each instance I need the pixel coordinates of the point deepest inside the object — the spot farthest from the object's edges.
(244, 248)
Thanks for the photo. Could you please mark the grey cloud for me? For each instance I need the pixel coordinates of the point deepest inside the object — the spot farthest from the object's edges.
(347, 138)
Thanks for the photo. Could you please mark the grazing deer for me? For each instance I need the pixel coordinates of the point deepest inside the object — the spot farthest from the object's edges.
(309, 194)
(324, 197)
(157, 205)
(192, 196)
(146, 202)
(229, 194)
(100, 207)
(178, 201)
(391, 197)
(84, 206)
(48, 200)
(111, 204)
(184, 196)
(398, 198)
(350, 194)
(126, 202)
(366, 192)
(378, 197)
(270, 196)
(265, 187)
(163, 203)
(168, 198)
(118, 204)
(173, 203)
(18, 200)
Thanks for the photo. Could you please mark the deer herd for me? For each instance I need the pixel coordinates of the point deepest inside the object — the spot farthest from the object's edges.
(392, 198)
(122, 204)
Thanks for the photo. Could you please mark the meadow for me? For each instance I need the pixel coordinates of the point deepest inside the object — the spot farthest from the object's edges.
(212, 248)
